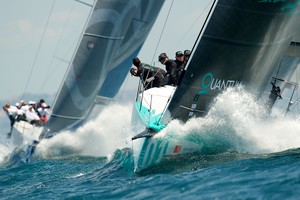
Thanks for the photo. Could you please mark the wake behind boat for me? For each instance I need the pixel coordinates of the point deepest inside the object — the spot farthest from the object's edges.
(241, 42)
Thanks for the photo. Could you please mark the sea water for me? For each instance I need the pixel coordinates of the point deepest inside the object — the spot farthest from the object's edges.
(248, 156)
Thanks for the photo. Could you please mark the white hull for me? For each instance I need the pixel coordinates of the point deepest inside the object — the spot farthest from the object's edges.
(150, 151)
(24, 133)
(23, 140)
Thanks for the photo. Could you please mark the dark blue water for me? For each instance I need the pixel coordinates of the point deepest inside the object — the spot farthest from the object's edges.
(274, 176)
(246, 157)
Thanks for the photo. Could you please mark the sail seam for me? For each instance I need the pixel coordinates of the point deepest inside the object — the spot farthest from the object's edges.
(66, 117)
(250, 11)
(103, 36)
(243, 43)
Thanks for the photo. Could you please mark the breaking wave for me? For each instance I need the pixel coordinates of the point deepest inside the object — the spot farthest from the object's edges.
(238, 122)
(98, 137)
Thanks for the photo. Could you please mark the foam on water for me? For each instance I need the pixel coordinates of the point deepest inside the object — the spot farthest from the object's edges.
(238, 122)
(98, 137)
(5, 149)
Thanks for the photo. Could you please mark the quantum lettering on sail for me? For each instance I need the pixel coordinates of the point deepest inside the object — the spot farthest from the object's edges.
(219, 84)
(209, 82)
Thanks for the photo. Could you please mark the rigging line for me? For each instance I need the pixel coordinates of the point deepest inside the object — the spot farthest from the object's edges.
(58, 44)
(297, 81)
(54, 69)
(74, 54)
(277, 71)
(204, 24)
(84, 3)
(193, 24)
(164, 26)
(39, 47)
(290, 101)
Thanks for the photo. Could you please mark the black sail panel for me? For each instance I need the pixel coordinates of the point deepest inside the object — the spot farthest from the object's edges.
(243, 42)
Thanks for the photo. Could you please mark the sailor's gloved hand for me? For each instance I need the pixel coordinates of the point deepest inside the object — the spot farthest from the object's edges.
(149, 79)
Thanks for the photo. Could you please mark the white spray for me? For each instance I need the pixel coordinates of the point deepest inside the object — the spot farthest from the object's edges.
(99, 137)
(238, 122)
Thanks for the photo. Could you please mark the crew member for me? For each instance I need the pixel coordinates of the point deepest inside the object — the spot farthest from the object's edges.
(179, 60)
(151, 76)
(43, 112)
(275, 93)
(32, 116)
(11, 113)
(171, 68)
(187, 54)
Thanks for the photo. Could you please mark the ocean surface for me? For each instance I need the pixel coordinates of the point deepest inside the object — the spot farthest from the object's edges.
(246, 158)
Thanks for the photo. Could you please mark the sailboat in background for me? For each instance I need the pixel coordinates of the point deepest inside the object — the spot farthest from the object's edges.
(114, 33)
(287, 77)
(241, 42)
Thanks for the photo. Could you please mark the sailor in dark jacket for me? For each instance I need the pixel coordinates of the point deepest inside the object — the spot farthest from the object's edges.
(187, 54)
(151, 76)
(275, 93)
(180, 66)
(171, 68)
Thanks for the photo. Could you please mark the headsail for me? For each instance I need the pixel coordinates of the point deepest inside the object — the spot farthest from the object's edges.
(98, 53)
(243, 42)
(140, 26)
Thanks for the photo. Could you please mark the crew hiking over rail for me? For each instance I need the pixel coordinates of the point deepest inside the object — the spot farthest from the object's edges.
(156, 77)
(34, 113)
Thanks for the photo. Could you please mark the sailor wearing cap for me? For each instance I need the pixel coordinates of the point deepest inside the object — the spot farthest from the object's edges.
(20, 113)
(11, 112)
(180, 66)
(24, 106)
(32, 116)
(171, 67)
(43, 112)
(151, 76)
(39, 104)
(187, 54)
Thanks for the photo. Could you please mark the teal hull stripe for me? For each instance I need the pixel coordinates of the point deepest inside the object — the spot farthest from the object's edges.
(151, 121)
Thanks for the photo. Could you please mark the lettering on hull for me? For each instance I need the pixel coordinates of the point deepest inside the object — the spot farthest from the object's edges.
(153, 151)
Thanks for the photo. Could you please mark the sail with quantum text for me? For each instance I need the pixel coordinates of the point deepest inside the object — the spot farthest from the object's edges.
(114, 32)
(241, 42)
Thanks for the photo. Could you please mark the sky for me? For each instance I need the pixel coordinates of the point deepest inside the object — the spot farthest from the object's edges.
(38, 39)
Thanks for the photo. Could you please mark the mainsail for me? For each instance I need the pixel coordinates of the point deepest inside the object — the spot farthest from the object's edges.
(107, 43)
(243, 42)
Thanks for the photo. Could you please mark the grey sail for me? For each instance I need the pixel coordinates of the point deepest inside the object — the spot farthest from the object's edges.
(98, 54)
(138, 30)
(242, 42)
